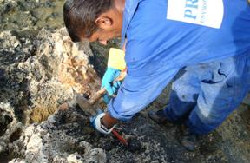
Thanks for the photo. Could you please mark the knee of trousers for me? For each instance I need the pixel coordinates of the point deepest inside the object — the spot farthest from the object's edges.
(204, 122)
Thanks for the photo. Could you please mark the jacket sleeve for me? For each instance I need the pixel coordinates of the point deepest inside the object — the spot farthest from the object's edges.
(136, 93)
(144, 82)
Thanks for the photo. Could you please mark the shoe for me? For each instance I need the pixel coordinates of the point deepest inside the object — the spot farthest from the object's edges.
(158, 116)
(188, 140)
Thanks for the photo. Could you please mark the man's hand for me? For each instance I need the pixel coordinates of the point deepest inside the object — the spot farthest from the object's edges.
(116, 63)
(103, 122)
(108, 82)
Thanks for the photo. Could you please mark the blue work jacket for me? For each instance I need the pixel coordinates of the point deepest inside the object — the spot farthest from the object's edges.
(164, 36)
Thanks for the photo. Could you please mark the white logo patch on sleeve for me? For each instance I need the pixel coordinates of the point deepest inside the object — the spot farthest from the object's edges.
(204, 12)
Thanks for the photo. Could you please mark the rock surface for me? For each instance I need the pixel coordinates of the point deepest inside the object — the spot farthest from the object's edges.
(43, 71)
(30, 14)
(56, 141)
(40, 69)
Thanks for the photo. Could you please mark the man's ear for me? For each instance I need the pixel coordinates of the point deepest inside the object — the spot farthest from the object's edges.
(104, 22)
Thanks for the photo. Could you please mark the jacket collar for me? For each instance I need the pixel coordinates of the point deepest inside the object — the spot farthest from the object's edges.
(128, 13)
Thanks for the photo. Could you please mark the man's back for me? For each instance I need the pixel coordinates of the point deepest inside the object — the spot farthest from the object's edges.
(157, 47)
(208, 30)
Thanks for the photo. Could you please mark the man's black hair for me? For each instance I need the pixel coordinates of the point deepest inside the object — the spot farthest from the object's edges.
(79, 16)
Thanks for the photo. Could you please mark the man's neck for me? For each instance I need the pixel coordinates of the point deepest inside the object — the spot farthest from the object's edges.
(119, 5)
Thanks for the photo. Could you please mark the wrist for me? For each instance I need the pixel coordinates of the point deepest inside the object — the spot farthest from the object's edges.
(108, 121)
(99, 126)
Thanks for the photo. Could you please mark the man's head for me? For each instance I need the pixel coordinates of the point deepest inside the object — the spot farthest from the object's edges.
(95, 20)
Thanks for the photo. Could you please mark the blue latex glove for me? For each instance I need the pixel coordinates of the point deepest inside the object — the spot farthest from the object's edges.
(107, 83)
(95, 122)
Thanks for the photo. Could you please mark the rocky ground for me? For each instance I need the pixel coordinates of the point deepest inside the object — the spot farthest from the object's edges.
(40, 69)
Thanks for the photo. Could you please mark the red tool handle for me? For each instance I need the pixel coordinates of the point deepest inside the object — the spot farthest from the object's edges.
(119, 137)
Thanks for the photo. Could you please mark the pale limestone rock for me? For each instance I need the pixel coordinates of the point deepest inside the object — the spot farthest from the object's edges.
(10, 127)
(54, 72)
(45, 142)
(74, 158)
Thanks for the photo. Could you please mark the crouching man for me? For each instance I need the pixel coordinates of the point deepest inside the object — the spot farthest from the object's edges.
(204, 46)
